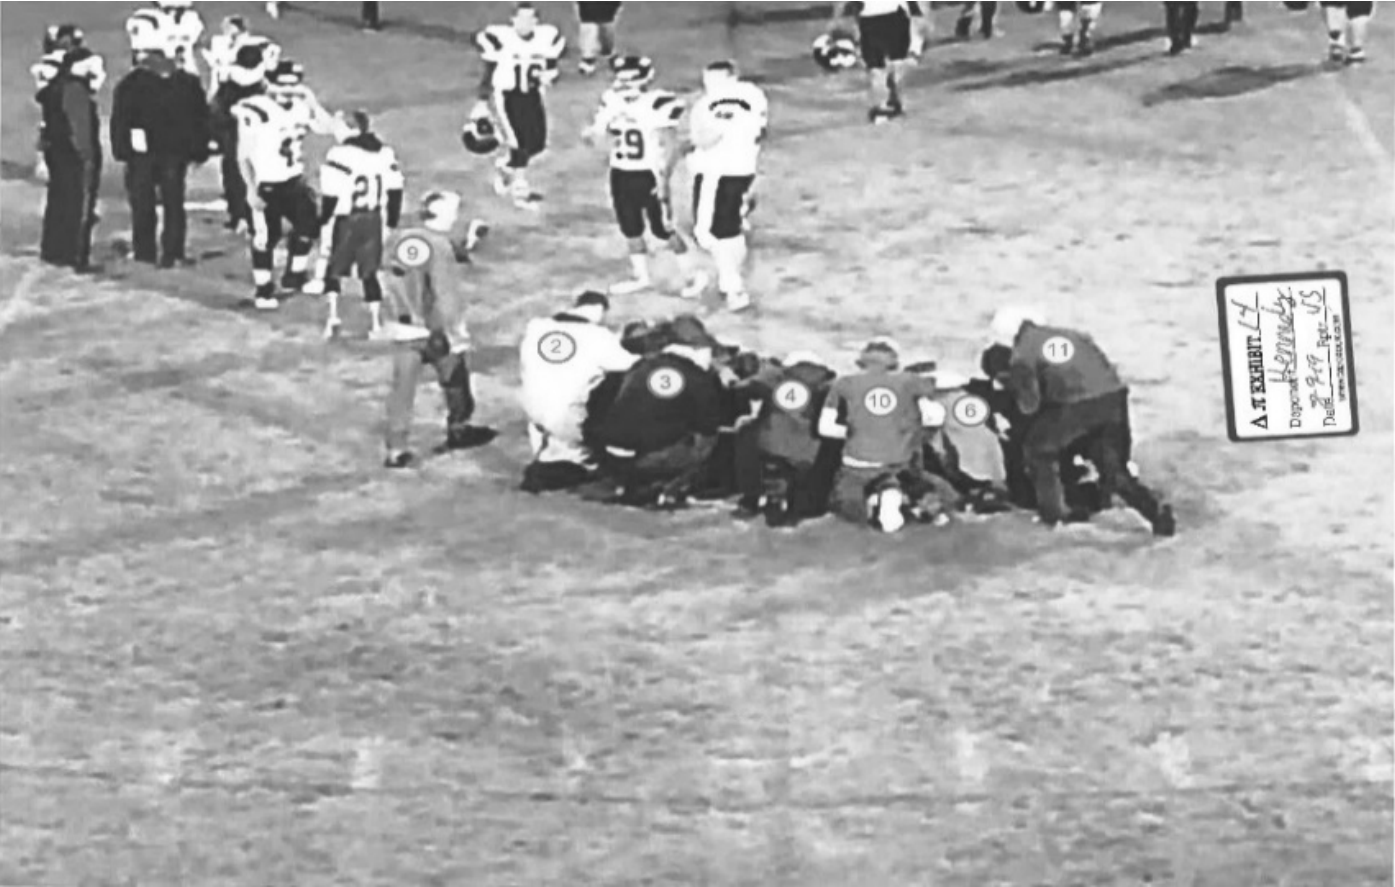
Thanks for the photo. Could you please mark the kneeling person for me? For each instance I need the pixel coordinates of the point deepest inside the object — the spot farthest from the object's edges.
(877, 413)
(663, 424)
(426, 300)
(779, 456)
(563, 359)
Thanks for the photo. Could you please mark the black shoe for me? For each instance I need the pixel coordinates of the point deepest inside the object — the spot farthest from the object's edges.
(1067, 45)
(294, 281)
(1087, 47)
(746, 509)
(400, 459)
(1165, 524)
(467, 438)
(1177, 48)
(176, 262)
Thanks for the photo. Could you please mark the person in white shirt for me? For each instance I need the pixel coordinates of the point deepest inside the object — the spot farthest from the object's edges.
(727, 128)
(562, 359)
(170, 26)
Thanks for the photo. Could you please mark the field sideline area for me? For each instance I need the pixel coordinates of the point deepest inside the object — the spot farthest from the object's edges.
(235, 652)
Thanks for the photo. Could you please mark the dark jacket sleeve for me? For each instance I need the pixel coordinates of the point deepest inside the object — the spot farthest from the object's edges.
(77, 108)
(708, 406)
(199, 126)
(122, 119)
(1024, 384)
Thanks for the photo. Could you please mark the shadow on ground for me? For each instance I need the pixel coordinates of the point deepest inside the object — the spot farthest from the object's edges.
(1230, 81)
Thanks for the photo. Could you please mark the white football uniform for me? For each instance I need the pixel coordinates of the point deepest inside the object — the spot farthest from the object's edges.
(271, 138)
(176, 32)
(637, 123)
(727, 128)
(521, 64)
(359, 180)
(222, 53)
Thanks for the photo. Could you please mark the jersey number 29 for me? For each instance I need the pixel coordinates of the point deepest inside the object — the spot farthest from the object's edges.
(629, 145)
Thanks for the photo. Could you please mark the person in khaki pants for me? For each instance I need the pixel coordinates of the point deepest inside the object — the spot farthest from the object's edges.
(426, 301)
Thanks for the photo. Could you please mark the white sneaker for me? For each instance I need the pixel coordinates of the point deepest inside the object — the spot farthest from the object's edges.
(630, 287)
(267, 303)
(273, 10)
(314, 287)
(888, 517)
(379, 334)
(695, 287)
(738, 301)
(332, 327)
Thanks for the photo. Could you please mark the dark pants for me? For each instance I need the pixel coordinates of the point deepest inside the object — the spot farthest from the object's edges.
(1104, 423)
(454, 374)
(1181, 22)
(69, 210)
(670, 471)
(794, 490)
(545, 477)
(152, 181)
(369, 15)
(234, 188)
(1234, 12)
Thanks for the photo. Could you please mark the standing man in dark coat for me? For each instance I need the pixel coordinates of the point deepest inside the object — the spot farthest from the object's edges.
(1062, 380)
(159, 125)
(72, 149)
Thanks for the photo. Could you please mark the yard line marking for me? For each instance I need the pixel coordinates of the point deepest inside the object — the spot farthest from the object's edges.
(1360, 126)
(21, 301)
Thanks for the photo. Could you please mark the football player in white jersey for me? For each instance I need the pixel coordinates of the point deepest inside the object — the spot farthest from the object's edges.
(223, 47)
(360, 192)
(889, 41)
(170, 25)
(520, 62)
(271, 130)
(641, 124)
(726, 130)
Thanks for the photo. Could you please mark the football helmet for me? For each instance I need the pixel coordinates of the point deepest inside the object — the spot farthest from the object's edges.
(479, 136)
(286, 82)
(632, 72)
(835, 51)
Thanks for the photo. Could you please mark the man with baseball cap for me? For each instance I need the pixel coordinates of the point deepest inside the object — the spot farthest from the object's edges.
(877, 413)
(426, 300)
(1062, 381)
(662, 426)
(562, 359)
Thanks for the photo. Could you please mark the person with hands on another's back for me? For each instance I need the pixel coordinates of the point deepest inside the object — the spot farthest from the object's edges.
(1062, 381)
(426, 301)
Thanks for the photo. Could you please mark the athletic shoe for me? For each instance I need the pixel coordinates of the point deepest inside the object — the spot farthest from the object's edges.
(400, 459)
(746, 509)
(1356, 57)
(1165, 524)
(1336, 53)
(888, 516)
(266, 303)
(630, 287)
(695, 287)
(332, 326)
(467, 438)
(586, 67)
(1067, 45)
(532, 201)
(1087, 47)
(315, 287)
(293, 281)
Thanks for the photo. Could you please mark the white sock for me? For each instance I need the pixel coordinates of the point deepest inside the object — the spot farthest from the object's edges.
(730, 255)
(333, 298)
(639, 266)
(375, 313)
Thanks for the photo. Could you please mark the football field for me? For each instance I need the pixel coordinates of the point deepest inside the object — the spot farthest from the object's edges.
(235, 652)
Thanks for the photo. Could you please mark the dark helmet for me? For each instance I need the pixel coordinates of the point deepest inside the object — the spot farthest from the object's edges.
(835, 51)
(479, 136)
(62, 38)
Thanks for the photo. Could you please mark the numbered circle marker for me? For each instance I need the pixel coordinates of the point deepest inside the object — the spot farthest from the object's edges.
(557, 347)
(1058, 349)
(971, 411)
(880, 401)
(792, 396)
(413, 252)
(666, 382)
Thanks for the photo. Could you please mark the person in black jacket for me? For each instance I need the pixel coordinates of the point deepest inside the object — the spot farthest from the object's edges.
(72, 150)
(159, 125)
(662, 426)
(246, 77)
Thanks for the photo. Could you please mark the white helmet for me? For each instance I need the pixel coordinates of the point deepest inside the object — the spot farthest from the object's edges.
(1008, 321)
